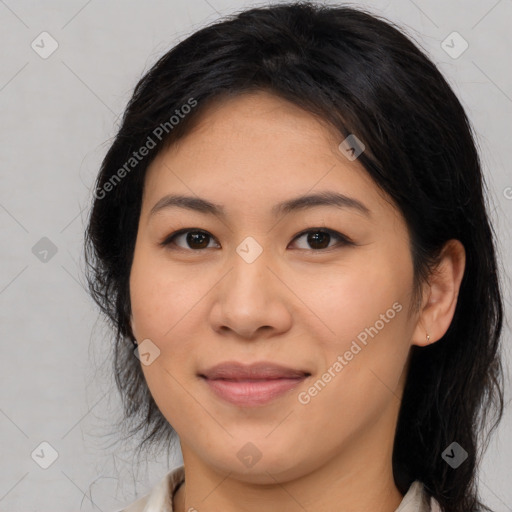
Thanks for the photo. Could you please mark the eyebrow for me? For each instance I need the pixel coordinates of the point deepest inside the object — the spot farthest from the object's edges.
(299, 203)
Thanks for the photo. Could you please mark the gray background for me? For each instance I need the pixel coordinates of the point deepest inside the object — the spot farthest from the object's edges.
(58, 117)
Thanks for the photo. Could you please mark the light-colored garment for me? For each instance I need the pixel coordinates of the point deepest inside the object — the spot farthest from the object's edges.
(159, 498)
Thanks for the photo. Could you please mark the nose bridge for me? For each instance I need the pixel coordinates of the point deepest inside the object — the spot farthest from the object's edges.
(248, 298)
(250, 273)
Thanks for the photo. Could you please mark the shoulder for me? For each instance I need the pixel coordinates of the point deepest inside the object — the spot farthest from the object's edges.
(160, 496)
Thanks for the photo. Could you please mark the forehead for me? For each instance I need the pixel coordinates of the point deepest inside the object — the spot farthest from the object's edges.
(257, 147)
(255, 117)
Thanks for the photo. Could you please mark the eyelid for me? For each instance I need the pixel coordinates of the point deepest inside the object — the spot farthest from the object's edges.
(316, 229)
(344, 240)
(168, 239)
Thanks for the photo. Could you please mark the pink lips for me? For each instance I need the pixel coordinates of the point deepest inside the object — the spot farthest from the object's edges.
(252, 385)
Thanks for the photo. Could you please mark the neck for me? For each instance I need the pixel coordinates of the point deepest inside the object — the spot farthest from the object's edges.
(348, 496)
(357, 479)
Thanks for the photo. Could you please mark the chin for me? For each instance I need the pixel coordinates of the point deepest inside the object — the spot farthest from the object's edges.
(265, 466)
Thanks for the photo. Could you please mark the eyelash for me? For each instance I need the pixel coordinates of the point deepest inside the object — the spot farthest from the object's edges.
(343, 240)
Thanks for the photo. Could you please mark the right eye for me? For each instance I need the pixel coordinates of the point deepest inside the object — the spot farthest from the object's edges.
(196, 239)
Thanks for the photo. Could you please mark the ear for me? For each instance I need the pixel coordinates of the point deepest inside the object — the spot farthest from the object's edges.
(440, 295)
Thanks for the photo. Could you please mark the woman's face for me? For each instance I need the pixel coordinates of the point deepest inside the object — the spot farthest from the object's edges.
(255, 283)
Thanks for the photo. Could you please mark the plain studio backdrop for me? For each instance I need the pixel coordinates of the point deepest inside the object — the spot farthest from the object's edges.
(60, 102)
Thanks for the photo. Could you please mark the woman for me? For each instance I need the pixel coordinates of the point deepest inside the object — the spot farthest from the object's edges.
(290, 227)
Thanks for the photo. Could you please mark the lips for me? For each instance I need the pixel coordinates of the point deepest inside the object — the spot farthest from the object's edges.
(256, 371)
(251, 385)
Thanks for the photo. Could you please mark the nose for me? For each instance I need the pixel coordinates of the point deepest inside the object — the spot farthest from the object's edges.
(251, 301)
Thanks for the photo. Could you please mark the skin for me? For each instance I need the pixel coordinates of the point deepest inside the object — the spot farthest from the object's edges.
(294, 305)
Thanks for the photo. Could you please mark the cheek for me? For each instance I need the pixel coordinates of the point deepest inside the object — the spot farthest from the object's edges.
(160, 300)
(352, 392)
(366, 310)
(159, 294)
(354, 298)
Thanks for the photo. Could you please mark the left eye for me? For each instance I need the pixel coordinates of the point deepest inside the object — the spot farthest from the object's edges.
(318, 239)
